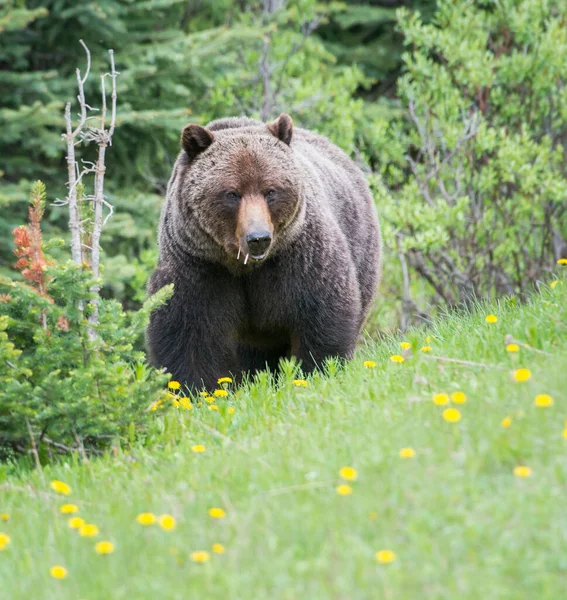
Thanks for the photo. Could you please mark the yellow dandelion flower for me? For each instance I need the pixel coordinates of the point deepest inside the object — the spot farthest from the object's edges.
(564, 434)
(218, 549)
(58, 572)
(75, 522)
(512, 348)
(198, 448)
(405, 345)
(213, 407)
(407, 453)
(200, 556)
(385, 556)
(68, 509)
(451, 415)
(300, 382)
(369, 364)
(554, 283)
(506, 422)
(491, 318)
(210, 399)
(186, 404)
(344, 490)
(224, 380)
(4, 540)
(373, 516)
(220, 393)
(88, 530)
(217, 513)
(522, 471)
(174, 385)
(458, 397)
(4, 517)
(441, 399)
(425, 349)
(203, 393)
(397, 358)
(167, 522)
(543, 401)
(104, 548)
(146, 518)
(348, 473)
(522, 374)
(562, 261)
(230, 410)
(60, 487)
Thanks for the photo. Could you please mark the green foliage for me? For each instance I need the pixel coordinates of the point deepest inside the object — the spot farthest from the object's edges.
(60, 384)
(364, 34)
(477, 168)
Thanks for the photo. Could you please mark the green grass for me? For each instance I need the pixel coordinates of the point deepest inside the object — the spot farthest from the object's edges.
(461, 524)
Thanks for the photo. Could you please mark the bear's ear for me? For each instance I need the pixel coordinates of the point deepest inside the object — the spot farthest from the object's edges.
(195, 139)
(282, 128)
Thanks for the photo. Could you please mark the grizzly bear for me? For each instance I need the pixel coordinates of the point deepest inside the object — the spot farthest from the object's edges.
(270, 236)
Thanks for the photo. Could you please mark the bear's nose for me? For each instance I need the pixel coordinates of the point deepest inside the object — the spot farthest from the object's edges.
(258, 242)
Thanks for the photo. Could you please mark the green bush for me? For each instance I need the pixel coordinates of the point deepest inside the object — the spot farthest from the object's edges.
(64, 383)
(476, 166)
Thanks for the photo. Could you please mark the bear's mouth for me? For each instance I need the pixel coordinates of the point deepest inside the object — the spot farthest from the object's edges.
(247, 256)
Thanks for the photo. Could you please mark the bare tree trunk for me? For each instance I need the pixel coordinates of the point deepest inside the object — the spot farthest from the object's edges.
(266, 72)
(104, 139)
(70, 137)
(83, 250)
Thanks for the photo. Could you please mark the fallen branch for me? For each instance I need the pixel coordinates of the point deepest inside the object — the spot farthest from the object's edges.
(467, 363)
(510, 340)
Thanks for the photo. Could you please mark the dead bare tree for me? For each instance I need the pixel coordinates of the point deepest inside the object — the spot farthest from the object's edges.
(269, 70)
(84, 250)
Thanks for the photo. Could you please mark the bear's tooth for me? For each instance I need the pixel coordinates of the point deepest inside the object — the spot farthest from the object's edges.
(246, 259)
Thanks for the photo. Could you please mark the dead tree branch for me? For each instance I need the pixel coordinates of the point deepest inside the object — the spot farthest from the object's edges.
(103, 138)
(70, 137)
(85, 247)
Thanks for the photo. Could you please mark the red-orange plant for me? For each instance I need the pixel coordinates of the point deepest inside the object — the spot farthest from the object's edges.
(29, 243)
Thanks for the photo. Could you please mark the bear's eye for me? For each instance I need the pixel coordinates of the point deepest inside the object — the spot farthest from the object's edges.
(270, 195)
(232, 196)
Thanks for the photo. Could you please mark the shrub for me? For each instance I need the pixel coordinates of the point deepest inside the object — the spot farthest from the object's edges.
(61, 387)
(478, 203)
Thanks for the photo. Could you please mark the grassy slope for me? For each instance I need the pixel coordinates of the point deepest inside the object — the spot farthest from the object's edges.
(462, 525)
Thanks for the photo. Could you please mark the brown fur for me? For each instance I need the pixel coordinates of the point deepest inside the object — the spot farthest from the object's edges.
(306, 296)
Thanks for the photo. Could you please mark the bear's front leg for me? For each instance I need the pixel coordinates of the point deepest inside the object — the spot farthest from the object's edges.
(193, 335)
(328, 326)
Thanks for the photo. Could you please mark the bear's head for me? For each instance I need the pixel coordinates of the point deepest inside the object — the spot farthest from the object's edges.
(243, 186)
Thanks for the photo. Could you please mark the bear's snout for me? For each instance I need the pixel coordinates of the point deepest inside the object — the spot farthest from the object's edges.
(258, 243)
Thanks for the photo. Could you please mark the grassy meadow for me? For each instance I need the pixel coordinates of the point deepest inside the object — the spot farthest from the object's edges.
(432, 506)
